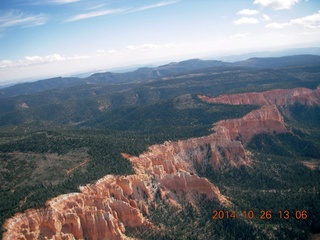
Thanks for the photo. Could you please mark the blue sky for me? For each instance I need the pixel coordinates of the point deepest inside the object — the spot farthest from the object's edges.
(47, 38)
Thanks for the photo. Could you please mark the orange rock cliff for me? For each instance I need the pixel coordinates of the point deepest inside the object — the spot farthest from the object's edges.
(104, 209)
(279, 97)
(267, 119)
(166, 171)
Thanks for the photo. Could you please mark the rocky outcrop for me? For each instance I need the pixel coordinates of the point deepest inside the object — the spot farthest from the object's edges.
(166, 172)
(79, 216)
(279, 97)
(267, 119)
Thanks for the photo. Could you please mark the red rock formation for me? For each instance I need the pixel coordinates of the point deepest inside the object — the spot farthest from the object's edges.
(279, 97)
(76, 216)
(104, 209)
(267, 119)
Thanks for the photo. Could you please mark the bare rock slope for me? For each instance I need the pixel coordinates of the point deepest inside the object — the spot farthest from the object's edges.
(104, 209)
(279, 97)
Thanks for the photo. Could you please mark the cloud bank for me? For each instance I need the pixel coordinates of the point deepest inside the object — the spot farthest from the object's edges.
(277, 4)
(35, 60)
(246, 20)
(247, 12)
(311, 21)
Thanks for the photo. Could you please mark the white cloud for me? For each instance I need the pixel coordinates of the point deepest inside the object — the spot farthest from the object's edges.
(36, 60)
(246, 20)
(311, 21)
(160, 4)
(51, 2)
(54, 2)
(96, 7)
(93, 14)
(40, 67)
(266, 17)
(277, 4)
(5, 63)
(247, 12)
(16, 18)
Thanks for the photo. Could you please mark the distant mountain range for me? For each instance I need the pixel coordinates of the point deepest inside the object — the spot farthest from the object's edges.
(147, 73)
(83, 100)
(274, 53)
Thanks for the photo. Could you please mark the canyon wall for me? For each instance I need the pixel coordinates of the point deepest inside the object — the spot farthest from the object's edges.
(279, 97)
(267, 119)
(166, 172)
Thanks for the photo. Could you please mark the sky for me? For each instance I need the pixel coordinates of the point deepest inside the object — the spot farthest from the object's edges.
(49, 38)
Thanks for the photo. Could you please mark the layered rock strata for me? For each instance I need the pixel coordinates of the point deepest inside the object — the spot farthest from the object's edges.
(267, 119)
(103, 210)
(279, 97)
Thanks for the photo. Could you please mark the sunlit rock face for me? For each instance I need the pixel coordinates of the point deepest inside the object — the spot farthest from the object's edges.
(77, 216)
(267, 119)
(103, 210)
(166, 172)
(279, 97)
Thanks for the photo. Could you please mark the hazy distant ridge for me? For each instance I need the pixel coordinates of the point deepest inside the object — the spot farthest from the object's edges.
(145, 74)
